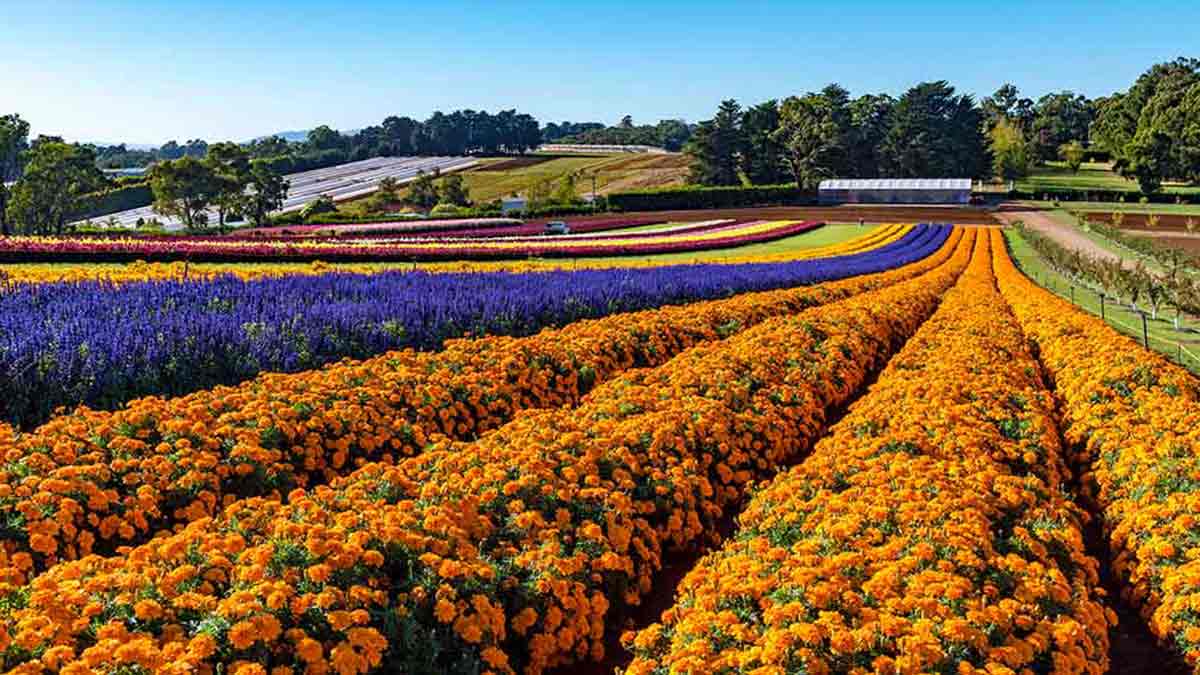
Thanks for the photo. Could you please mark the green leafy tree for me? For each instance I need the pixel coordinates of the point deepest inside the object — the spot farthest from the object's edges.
(230, 167)
(320, 206)
(1060, 118)
(539, 194)
(1072, 153)
(388, 188)
(14, 141)
(422, 192)
(454, 191)
(811, 138)
(323, 138)
(672, 134)
(1008, 104)
(1010, 153)
(268, 190)
(55, 176)
(387, 192)
(1153, 130)
(566, 192)
(184, 188)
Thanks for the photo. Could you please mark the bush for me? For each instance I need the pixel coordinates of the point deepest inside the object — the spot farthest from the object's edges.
(1116, 196)
(698, 197)
(320, 206)
(445, 209)
(123, 197)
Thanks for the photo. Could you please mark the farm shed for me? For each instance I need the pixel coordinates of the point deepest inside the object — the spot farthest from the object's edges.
(895, 191)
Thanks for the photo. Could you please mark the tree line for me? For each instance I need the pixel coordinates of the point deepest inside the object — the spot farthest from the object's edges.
(123, 157)
(462, 132)
(1151, 132)
(45, 180)
(226, 179)
(669, 135)
(1023, 133)
(1153, 128)
(930, 131)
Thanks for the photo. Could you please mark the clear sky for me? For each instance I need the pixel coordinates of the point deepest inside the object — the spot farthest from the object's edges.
(147, 71)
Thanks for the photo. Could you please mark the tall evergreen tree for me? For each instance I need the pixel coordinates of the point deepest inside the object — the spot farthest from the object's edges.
(716, 147)
(763, 161)
(936, 133)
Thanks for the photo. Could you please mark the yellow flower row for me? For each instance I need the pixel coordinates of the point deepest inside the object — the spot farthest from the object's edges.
(1133, 421)
(142, 271)
(926, 533)
(88, 481)
(491, 556)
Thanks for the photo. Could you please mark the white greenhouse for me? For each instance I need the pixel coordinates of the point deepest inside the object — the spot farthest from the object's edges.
(895, 191)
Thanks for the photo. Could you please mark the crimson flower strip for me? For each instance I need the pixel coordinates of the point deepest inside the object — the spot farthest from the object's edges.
(1132, 419)
(492, 556)
(928, 532)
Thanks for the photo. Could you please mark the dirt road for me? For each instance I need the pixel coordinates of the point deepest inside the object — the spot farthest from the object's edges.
(1064, 234)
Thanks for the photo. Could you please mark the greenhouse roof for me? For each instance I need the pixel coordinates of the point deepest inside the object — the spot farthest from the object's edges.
(896, 184)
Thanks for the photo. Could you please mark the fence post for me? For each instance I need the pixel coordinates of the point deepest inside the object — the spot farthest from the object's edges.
(1145, 332)
(1072, 294)
(1102, 316)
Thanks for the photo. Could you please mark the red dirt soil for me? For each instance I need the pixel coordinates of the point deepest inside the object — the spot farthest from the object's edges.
(514, 163)
(832, 214)
(1137, 221)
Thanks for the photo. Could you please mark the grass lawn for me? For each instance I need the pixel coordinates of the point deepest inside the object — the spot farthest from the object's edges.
(1181, 346)
(1091, 176)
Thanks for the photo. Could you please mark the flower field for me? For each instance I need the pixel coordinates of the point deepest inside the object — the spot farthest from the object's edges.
(891, 456)
(1132, 419)
(147, 271)
(100, 344)
(340, 245)
(932, 540)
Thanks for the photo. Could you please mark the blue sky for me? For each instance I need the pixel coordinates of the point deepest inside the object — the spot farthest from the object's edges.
(151, 70)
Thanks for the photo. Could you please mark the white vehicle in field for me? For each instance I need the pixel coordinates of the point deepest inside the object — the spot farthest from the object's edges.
(557, 227)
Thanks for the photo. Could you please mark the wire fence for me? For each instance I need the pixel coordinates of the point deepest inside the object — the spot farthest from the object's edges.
(1136, 324)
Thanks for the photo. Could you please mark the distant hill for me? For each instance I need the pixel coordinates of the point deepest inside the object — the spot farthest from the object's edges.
(128, 146)
(301, 136)
(290, 136)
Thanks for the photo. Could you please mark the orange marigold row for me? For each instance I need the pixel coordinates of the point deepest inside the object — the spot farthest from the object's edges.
(493, 556)
(926, 533)
(1133, 421)
(90, 481)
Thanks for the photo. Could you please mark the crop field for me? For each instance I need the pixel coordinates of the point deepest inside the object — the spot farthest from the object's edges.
(846, 449)
(495, 179)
